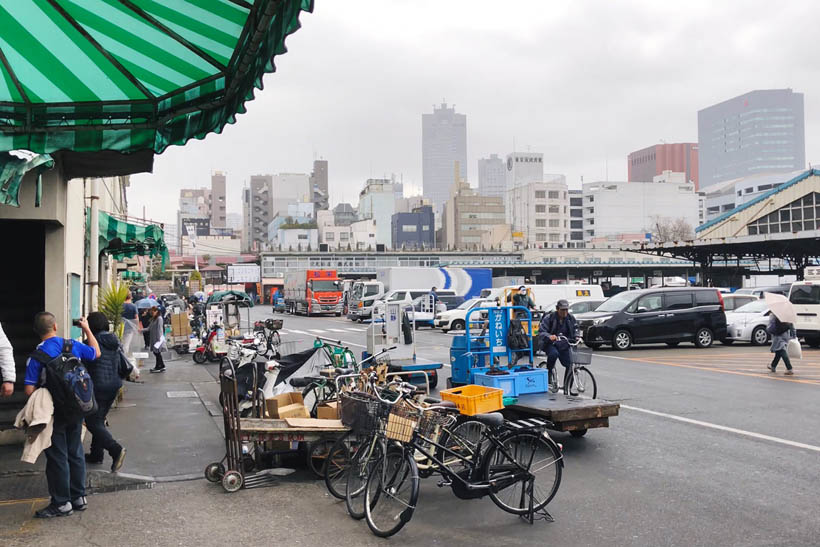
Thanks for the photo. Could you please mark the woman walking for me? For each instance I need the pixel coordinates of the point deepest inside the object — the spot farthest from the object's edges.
(781, 334)
(107, 377)
(156, 331)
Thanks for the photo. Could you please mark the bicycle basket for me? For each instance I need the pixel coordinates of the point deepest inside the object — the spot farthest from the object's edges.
(274, 324)
(582, 356)
(431, 423)
(402, 423)
(362, 412)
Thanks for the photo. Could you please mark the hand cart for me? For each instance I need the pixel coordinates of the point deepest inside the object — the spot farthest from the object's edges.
(230, 471)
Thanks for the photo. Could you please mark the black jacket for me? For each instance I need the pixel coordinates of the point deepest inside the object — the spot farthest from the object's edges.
(550, 324)
(105, 371)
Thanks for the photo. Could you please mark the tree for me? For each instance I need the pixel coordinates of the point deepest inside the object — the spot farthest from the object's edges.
(111, 301)
(206, 259)
(671, 229)
(157, 271)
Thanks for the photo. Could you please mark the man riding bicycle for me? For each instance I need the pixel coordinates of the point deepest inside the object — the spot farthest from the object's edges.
(556, 324)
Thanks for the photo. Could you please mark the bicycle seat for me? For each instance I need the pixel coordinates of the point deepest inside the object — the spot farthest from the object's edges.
(491, 419)
(344, 371)
(434, 401)
(304, 381)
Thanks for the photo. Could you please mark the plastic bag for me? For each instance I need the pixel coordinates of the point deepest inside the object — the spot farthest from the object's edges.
(794, 350)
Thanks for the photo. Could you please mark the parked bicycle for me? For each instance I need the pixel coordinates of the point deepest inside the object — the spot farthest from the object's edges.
(579, 380)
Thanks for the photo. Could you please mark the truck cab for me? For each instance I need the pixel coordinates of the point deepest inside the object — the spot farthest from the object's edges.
(805, 297)
(363, 295)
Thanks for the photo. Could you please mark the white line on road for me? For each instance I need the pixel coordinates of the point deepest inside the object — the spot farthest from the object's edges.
(354, 329)
(320, 331)
(337, 330)
(298, 331)
(725, 428)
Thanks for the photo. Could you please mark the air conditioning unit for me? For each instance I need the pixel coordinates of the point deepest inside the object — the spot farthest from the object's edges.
(323, 247)
(379, 247)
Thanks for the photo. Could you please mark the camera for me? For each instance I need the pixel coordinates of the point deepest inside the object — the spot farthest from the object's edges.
(76, 322)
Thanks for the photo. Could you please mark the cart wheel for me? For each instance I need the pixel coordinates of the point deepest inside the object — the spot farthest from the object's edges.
(317, 456)
(578, 433)
(232, 481)
(214, 472)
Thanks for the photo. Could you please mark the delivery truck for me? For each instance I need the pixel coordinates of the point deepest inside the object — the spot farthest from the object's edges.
(465, 282)
(313, 292)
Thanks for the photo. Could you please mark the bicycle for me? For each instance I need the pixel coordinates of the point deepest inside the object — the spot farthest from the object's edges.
(579, 380)
(502, 464)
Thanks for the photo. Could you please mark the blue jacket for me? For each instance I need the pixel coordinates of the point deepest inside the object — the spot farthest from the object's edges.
(105, 371)
(551, 325)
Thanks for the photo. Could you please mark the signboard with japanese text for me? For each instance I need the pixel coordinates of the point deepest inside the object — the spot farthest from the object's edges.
(498, 331)
(244, 273)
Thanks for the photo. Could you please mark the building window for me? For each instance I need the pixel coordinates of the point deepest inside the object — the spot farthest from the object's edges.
(425, 228)
(301, 236)
(554, 194)
(344, 236)
(576, 202)
(555, 223)
(540, 208)
(555, 209)
(330, 236)
(576, 224)
(540, 223)
(540, 194)
(409, 228)
(540, 237)
(555, 237)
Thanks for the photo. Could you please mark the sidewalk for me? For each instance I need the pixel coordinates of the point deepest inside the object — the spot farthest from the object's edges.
(170, 425)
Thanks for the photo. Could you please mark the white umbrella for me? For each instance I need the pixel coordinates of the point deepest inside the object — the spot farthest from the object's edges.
(781, 307)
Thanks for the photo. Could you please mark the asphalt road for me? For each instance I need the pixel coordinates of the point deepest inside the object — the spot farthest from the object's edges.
(709, 449)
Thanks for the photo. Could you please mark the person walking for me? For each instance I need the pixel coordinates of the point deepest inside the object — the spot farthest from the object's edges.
(8, 372)
(65, 464)
(129, 318)
(156, 333)
(781, 334)
(145, 320)
(106, 374)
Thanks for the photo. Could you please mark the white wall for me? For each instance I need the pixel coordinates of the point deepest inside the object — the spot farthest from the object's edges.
(380, 207)
(296, 237)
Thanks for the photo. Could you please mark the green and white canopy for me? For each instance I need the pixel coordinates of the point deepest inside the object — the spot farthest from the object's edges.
(132, 75)
(122, 239)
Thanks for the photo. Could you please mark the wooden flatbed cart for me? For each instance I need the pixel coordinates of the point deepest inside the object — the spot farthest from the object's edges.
(230, 471)
(567, 413)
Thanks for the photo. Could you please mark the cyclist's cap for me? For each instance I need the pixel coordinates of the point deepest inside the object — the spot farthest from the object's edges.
(522, 288)
(562, 305)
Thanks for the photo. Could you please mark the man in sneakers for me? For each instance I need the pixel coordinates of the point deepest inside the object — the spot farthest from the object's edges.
(65, 461)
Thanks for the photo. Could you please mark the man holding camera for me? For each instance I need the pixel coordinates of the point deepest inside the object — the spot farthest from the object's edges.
(65, 461)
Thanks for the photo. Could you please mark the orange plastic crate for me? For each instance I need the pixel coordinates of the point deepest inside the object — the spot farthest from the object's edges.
(472, 399)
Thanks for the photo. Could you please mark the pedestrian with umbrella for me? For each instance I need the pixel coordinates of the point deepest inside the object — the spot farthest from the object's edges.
(781, 327)
(144, 306)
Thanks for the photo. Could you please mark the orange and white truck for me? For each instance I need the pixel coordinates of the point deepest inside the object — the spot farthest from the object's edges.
(313, 292)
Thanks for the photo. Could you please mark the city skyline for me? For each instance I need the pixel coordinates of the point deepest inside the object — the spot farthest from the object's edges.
(584, 129)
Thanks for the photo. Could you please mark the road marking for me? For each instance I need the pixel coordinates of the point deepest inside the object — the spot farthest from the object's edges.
(298, 331)
(356, 329)
(736, 431)
(317, 330)
(337, 330)
(765, 375)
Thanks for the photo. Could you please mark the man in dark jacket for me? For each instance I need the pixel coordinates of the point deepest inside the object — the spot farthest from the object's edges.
(558, 323)
(106, 374)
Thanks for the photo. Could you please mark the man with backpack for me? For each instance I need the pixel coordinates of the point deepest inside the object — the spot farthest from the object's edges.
(56, 365)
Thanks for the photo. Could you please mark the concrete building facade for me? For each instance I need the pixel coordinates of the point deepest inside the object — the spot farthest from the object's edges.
(289, 188)
(260, 211)
(219, 213)
(377, 201)
(414, 230)
(759, 132)
(319, 184)
(682, 157)
(613, 210)
(344, 214)
(540, 211)
(576, 219)
(492, 176)
(524, 168)
(468, 216)
(443, 144)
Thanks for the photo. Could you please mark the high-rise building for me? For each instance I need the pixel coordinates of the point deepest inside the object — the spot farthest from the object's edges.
(682, 157)
(539, 211)
(219, 213)
(377, 201)
(246, 219)
(492, 176)
(195, 207)
(318, 183)
(576, 219)
(524, 168)
(469, 218)
(260, 207)
(759, 132)
(443, 149)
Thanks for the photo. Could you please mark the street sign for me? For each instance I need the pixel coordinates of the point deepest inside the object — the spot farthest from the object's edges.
(244, 273)
(636, 280)
(498, 331)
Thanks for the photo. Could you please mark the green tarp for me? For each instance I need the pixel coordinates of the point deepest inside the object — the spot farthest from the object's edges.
(13, 166)
(122, 239)
(128, 75)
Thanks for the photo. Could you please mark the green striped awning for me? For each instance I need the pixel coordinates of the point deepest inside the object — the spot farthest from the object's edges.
(122, 239)
(128, 75)
(13, 166)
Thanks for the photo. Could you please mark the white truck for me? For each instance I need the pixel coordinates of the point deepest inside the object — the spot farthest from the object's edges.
(805, 297)
(545, 296)
(466, 282)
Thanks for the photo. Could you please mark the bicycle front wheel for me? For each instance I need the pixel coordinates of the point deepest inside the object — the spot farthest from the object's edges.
(581, 383)
(362, 462)
(526, 463)
(391, 493)
(337, 462)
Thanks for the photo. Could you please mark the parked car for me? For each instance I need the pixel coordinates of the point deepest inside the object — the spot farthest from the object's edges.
(748, 323)
(403, 296)
(758, 291)
(665, 315)
(426, 317)
(454, 319)
(805, 297)
(733, 301)
(578, 306)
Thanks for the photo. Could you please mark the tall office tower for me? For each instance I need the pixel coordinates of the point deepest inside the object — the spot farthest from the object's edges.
(318, 184)
(759, 132)
(443, 146)
(680, 157)
(218, 203)
(492, 177)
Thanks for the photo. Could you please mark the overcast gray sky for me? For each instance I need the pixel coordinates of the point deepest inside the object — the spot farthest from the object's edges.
(585, 82)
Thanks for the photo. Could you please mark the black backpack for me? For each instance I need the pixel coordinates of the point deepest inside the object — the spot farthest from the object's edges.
(68, 382)
(516, 337)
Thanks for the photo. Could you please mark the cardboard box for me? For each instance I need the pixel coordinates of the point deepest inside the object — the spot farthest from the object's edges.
(328, 411)
(315, 423)
(286, 405)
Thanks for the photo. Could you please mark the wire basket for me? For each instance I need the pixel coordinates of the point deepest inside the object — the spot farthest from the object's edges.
(402, 423)
(432, 422)
(362, 412)
(582, 356)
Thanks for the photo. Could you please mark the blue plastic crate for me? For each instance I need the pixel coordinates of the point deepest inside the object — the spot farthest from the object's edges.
(516, 383)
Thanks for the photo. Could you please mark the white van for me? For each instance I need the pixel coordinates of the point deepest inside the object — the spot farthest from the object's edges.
(805, 297)
(545, 296)
(403, 296)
